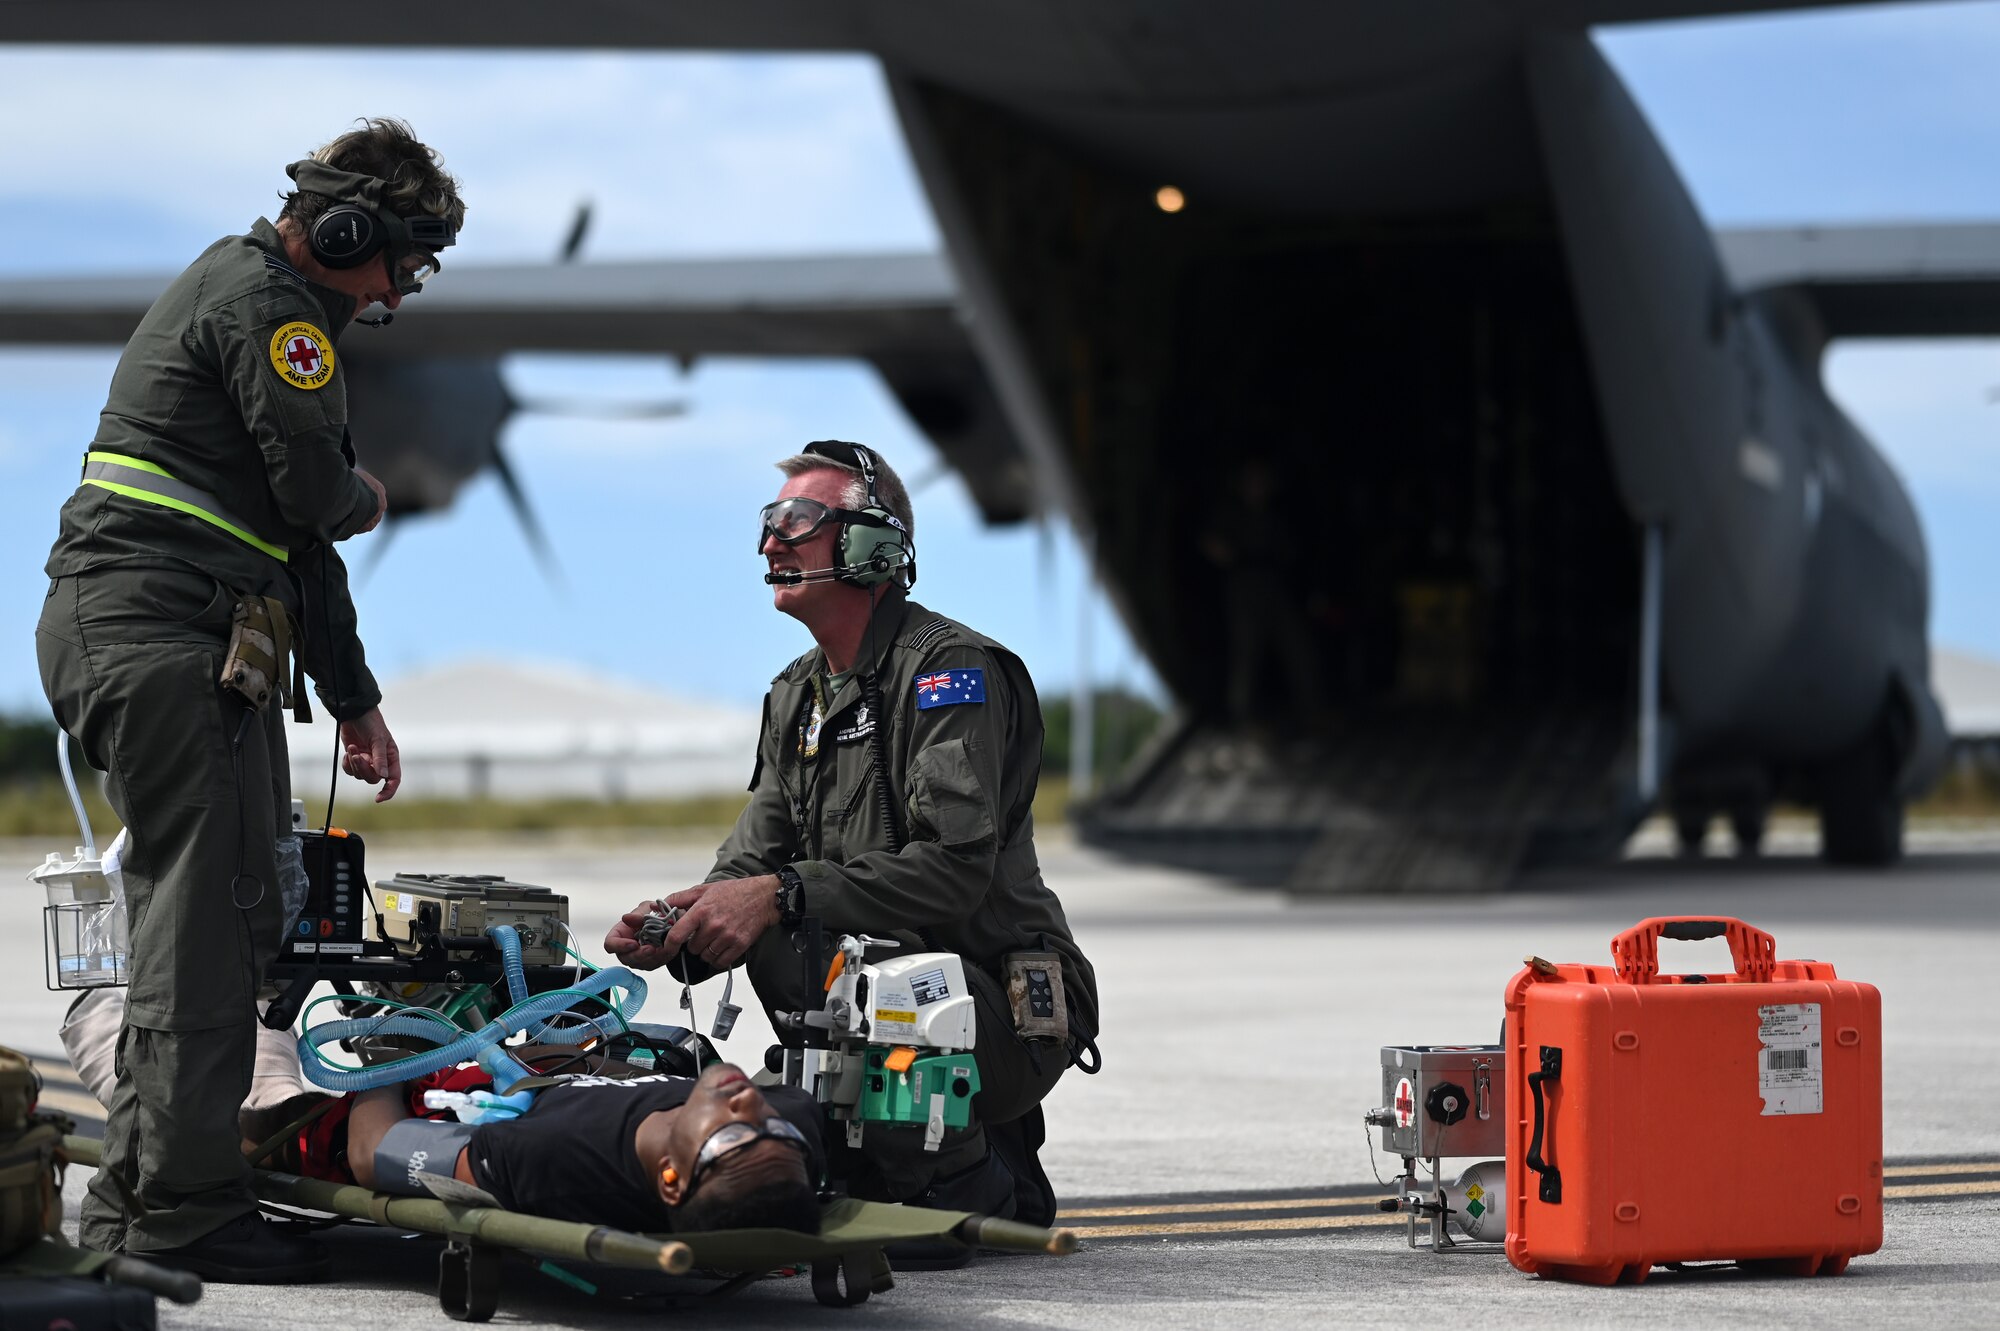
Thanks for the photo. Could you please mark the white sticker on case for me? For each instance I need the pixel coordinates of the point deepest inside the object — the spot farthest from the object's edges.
(1788, 1059)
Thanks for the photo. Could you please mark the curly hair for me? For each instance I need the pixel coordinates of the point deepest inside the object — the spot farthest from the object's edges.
(414, 176)
(778, 1203)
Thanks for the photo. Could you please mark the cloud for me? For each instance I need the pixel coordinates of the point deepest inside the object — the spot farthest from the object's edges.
(683, 153)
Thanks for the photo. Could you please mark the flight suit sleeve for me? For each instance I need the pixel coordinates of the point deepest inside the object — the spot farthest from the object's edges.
(952, 812)
(765, 836)
(334, 656)
(298, 429)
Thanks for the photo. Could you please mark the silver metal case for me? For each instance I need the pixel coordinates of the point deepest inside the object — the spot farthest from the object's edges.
(1424, 1084)
(467, 905)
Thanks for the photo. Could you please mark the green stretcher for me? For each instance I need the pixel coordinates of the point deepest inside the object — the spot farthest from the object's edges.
(846, 1257)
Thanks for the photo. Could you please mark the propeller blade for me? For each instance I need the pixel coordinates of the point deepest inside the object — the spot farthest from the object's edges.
(1045, 556)
(601, 411)
(378, 547)
(579, 227)
(518, 498)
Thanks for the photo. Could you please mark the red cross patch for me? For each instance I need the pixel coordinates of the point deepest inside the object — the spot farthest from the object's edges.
(302, 355)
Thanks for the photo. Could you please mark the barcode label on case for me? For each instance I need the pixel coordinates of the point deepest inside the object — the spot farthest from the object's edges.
(1788, 1058)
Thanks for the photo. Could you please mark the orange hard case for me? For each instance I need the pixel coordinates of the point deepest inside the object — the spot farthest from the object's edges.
(1685, 1118)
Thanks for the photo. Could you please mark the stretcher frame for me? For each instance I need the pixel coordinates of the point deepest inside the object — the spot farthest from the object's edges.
(846, 1257)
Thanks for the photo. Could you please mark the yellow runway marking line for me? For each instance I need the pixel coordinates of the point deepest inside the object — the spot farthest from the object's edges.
(1956, 1167)
(77, 1104)
(1354, 1219)
(1378, 1219)
(1201, 1208)
(1910, 1191)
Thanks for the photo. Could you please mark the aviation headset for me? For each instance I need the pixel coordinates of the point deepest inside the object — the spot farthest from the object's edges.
(874, 545)
(358, 226)
(871, 553)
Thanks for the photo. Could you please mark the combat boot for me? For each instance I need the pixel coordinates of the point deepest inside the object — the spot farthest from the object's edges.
(987, 1188)
(248, 1250)
(1019, 1145)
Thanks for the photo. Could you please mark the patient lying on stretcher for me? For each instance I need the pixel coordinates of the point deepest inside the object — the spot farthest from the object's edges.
(655, 1152)
(646, 1153)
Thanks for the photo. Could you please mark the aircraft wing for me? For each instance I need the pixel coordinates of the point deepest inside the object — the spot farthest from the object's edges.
(889, 27)
(1878, 281)
(899, 312)
(863, 305)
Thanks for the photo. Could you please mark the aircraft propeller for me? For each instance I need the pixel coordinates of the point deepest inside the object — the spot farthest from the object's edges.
(427, 426)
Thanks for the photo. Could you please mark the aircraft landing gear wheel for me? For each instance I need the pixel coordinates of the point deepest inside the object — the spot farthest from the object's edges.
(1690, 830)
(1747, 823)
(1860, 814)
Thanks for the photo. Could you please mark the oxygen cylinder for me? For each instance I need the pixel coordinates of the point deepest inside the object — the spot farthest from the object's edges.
(1477, 1201)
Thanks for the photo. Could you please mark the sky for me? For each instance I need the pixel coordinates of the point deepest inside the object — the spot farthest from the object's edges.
(1875, 114)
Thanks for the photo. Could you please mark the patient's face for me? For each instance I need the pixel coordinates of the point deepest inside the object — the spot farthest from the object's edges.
(725, 1095)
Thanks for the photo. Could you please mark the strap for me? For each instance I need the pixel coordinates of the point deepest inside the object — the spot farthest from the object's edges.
(290, 644)
(266, 1149)
(137, 479)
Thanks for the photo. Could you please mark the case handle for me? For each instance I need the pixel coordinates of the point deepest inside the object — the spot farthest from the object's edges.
(1552, 1179)
(1637, 954)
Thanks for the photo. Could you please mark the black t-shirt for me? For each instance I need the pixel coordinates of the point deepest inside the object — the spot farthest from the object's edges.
(571, 1156)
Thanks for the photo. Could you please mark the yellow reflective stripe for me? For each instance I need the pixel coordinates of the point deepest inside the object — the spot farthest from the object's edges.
(120, 460)
(134, 492)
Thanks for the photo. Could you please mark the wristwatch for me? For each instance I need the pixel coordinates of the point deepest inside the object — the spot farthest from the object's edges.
(791, 896)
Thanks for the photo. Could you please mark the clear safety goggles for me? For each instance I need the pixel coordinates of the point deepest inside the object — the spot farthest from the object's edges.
(416, 269)
(792, 520)
(739, 1135)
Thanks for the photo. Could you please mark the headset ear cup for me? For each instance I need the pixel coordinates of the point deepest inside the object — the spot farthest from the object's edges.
(345, 236)
(874, 553)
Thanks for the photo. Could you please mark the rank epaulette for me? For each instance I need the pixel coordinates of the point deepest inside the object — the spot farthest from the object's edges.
(273, 264)
(785, 674)
(930, 635)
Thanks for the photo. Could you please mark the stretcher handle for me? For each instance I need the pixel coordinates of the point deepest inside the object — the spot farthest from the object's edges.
(1637, 950)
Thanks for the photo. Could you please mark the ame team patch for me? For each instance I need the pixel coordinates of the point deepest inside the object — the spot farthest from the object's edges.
(302, 355)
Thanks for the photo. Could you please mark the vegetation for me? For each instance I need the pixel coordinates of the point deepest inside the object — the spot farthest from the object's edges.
(1122, 722)
(33, 803)
(27, 750)
(1968, 789)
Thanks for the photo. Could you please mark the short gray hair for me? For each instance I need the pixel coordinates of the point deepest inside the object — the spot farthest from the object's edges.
(888, 485)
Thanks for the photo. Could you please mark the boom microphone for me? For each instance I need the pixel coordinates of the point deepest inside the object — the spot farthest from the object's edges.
(383, 322)
(792, 577)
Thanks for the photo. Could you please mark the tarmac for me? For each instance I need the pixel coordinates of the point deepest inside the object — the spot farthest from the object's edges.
(1218, 1170)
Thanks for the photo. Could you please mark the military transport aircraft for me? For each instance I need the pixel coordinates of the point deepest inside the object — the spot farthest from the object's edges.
(1469, 493)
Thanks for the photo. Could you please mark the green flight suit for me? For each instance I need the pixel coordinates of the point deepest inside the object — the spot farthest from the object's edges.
(131, 642)
(963, 780)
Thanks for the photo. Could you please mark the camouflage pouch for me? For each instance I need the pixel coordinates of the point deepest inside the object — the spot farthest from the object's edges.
(261, 647)
(31, 1157)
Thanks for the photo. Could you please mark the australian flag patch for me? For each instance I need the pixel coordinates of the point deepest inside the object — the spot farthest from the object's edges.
(942, 688)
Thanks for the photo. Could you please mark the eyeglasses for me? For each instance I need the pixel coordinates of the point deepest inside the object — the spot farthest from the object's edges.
(735, 1136)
